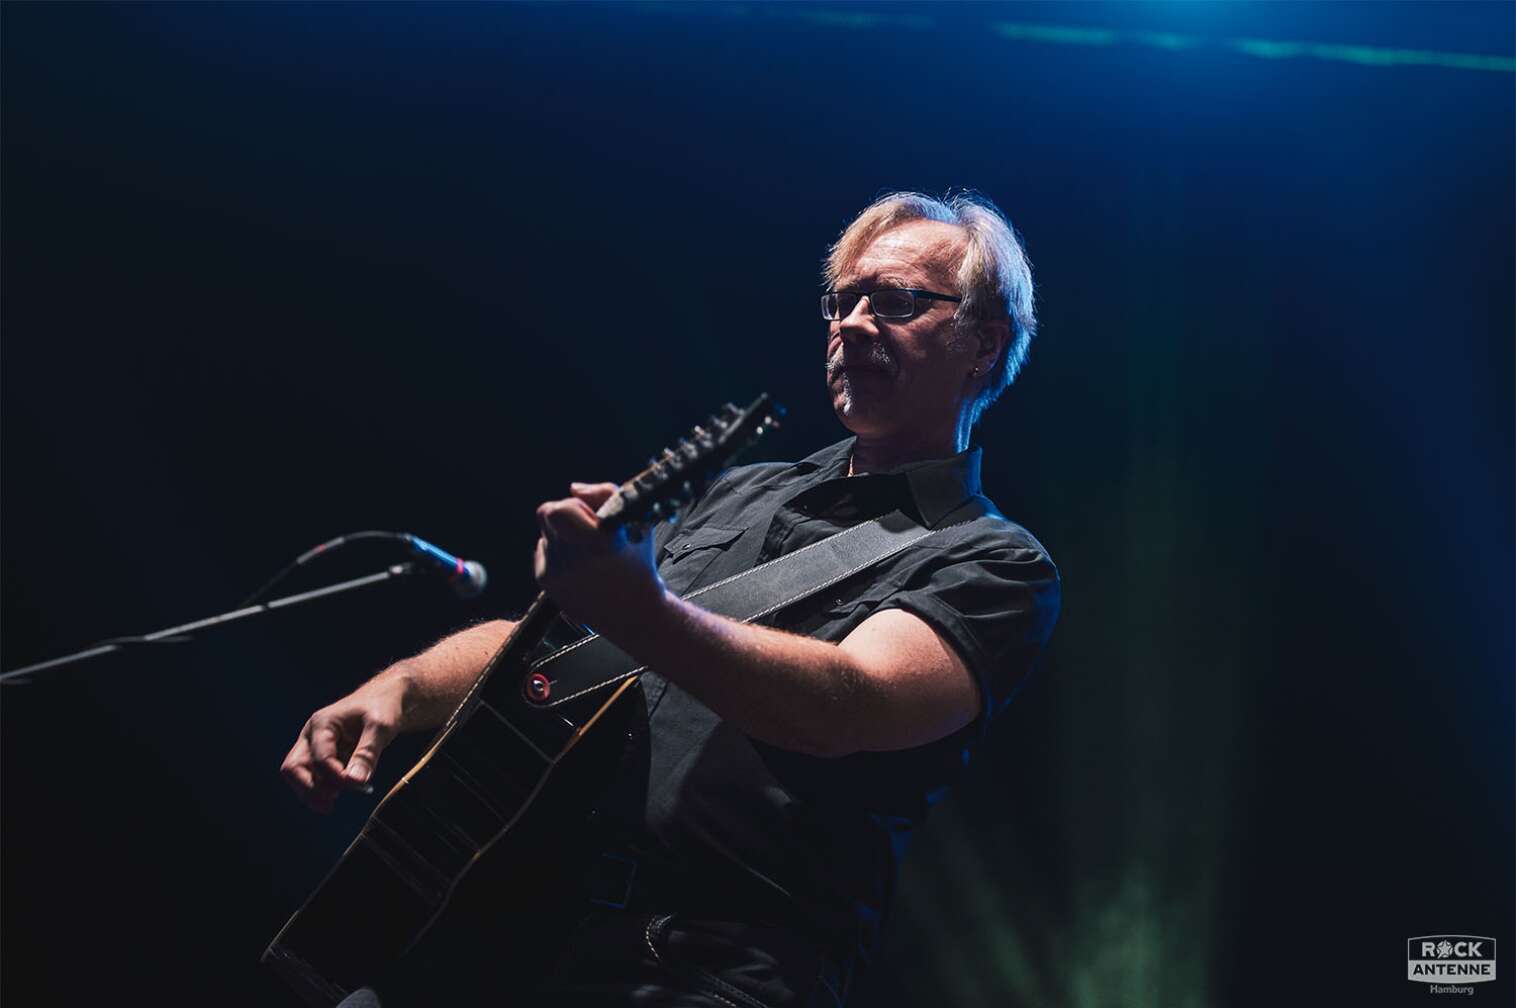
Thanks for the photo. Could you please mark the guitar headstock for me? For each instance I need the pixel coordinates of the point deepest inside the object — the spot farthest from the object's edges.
(683, 470)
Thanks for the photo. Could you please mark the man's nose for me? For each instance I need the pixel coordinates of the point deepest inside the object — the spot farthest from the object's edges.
(859, 323)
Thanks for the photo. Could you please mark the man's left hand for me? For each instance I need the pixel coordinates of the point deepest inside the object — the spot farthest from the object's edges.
(601, 579)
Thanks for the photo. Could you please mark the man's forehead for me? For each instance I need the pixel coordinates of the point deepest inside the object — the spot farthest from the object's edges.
(914, 252)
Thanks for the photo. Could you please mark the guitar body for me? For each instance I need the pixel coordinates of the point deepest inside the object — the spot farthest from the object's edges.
(488, 832)
(489, 823)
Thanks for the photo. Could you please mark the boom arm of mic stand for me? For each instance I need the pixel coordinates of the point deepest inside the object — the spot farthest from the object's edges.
(180, 633)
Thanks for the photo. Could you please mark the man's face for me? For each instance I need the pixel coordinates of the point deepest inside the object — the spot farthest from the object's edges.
(891, 377)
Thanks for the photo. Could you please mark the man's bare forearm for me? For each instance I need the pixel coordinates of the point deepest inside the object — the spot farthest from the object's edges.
(340, 743)
(434, 681)
(787, 690)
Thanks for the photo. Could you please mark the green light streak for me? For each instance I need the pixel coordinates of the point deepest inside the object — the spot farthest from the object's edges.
(1362, 55)
(1268, 49)
(1057, 34)
(980, 894)
(851, 19)
(1166, 40)
(1372, 55)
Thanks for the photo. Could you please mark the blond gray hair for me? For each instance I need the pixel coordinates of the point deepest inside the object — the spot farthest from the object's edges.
(994, 278)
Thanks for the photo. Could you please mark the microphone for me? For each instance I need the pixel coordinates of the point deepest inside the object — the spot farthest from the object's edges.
(467, 577)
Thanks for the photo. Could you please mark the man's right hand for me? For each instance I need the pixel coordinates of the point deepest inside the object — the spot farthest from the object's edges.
(340, 744)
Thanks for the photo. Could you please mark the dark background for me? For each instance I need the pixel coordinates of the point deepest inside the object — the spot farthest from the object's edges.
(274, 273)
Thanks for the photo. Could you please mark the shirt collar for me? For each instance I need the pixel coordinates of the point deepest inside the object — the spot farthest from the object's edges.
(937, 486)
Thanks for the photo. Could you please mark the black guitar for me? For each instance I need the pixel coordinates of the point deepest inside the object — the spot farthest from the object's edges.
(492, 805)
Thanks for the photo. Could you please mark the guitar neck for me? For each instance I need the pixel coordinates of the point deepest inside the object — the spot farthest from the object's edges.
(650, 495)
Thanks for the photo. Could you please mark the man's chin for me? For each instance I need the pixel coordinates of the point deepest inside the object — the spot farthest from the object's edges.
(860, 413)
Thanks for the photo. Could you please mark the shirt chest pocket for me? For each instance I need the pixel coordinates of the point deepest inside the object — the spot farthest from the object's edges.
(687, 556)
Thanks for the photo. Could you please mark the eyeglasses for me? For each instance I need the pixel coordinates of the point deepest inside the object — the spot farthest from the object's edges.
(886, 302)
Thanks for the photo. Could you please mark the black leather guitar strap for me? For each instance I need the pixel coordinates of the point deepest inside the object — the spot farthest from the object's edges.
(594, 662)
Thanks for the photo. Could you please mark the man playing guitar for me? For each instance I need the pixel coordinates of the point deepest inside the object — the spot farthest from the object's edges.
(753, 850)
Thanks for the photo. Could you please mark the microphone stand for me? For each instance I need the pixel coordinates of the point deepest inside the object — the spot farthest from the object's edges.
(179, 634)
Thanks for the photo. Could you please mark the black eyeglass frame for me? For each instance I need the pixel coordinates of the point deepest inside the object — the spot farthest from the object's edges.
(914, 292)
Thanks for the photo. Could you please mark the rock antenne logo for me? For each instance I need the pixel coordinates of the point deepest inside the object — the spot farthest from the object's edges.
(1440, 959)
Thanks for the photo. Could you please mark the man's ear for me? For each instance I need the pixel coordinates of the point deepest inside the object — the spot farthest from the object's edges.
(993, 337)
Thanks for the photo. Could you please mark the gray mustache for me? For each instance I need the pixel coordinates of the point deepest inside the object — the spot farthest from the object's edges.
(877, 356)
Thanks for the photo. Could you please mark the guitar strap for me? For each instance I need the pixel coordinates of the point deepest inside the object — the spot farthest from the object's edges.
(593, 662)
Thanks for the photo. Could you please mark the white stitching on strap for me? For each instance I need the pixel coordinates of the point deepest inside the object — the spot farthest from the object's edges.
(756, 616)
(710, 587)
(659, 923)
(754, 570)
(865, 564)
(647, 933)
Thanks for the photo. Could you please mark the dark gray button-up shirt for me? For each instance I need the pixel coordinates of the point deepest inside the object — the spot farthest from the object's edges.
(825, 835)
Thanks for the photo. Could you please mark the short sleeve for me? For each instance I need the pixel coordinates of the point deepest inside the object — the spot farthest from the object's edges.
(996, 609)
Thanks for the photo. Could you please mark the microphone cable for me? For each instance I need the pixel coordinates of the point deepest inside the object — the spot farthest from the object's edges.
(321, 549)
